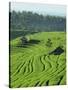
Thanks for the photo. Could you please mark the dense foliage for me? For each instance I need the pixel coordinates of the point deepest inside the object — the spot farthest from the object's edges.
(36, 22)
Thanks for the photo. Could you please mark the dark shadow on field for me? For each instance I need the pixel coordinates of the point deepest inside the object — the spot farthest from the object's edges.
(29, 43)
(57, 51)
(33, 41)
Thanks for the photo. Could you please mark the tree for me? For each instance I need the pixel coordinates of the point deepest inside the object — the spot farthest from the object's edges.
(29, 20)
(49, 43)
(24, 40)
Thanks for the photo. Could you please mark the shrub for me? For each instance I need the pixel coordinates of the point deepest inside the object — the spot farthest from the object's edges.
(49, 43)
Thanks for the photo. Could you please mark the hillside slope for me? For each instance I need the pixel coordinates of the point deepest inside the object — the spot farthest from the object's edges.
(34, 22)
(33, 66)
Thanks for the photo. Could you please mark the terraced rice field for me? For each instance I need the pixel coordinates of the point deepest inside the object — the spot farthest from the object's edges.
(33, 66)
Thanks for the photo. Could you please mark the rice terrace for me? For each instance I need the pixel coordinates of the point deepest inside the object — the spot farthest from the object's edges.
(37, 50)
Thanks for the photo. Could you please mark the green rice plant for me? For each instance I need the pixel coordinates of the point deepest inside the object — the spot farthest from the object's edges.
(32, 66)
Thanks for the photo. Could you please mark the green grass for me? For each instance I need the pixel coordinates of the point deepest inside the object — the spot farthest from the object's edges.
(33, 66)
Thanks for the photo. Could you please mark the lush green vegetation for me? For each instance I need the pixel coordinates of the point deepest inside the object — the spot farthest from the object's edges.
(33, 22)
(32, 65)
(37, 50)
